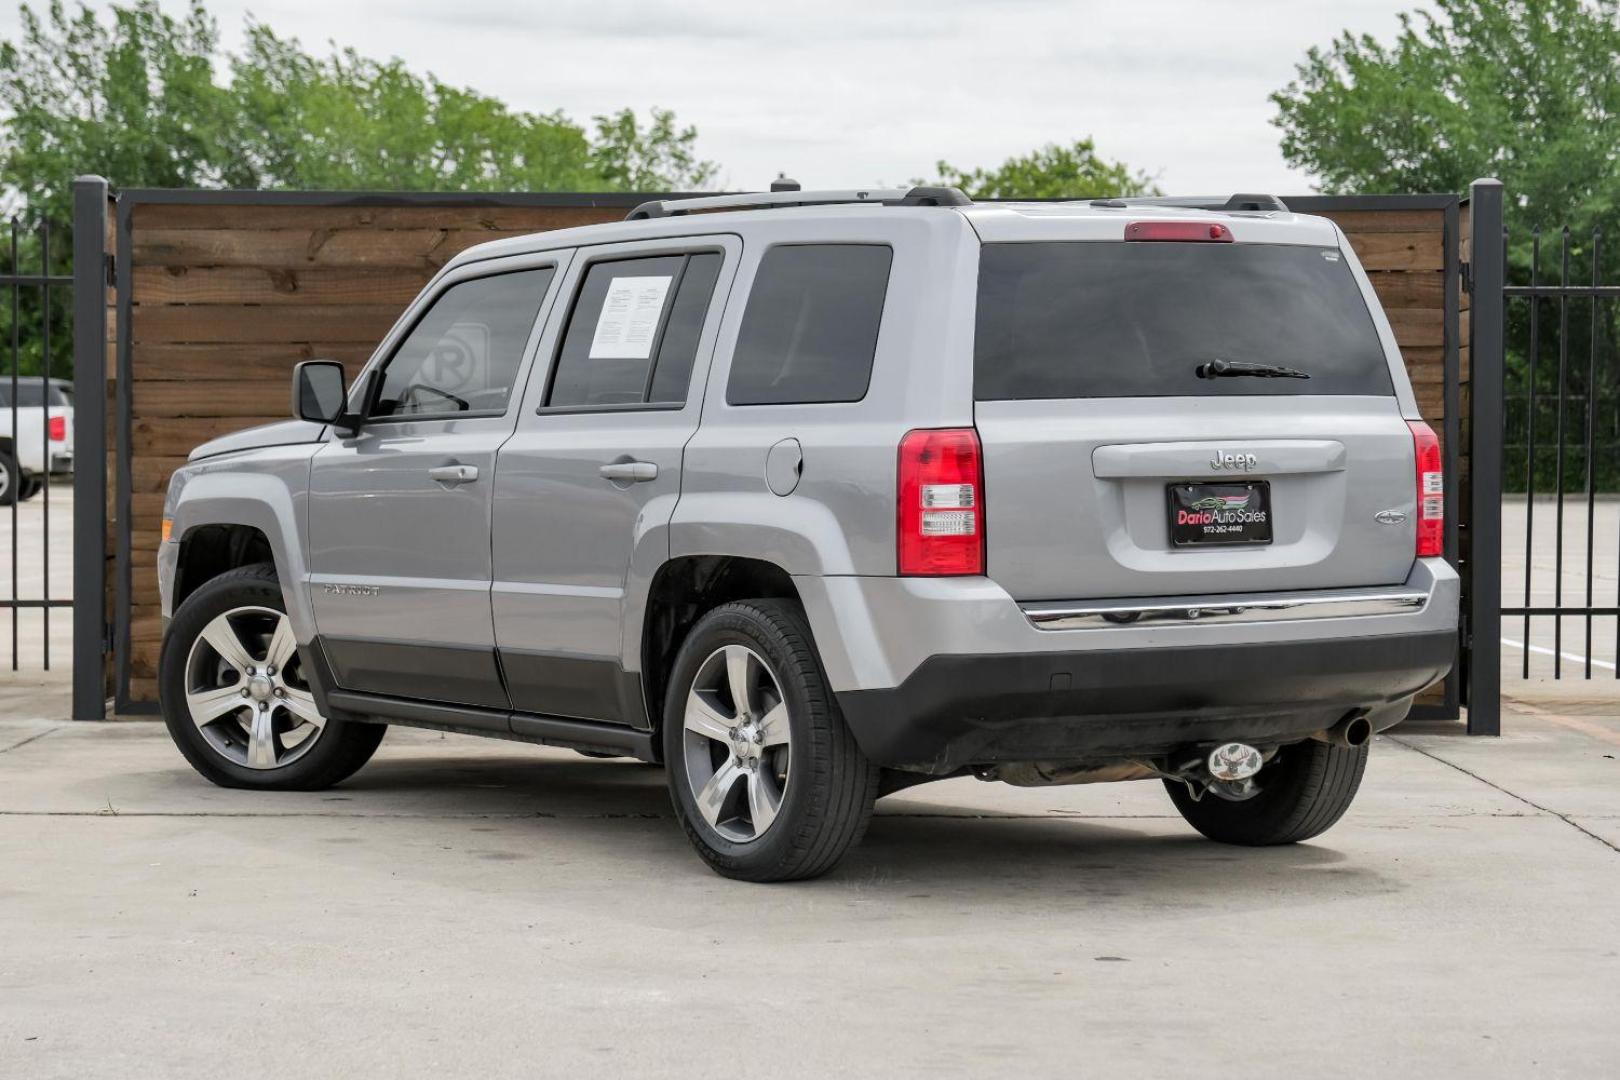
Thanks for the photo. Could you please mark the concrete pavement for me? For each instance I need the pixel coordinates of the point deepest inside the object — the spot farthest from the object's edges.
(464, 907)
(472, 908)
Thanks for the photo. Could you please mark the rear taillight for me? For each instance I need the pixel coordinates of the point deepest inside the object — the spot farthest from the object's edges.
(57, 428)
(941, 503)
(1198, 232)
(1431, 490)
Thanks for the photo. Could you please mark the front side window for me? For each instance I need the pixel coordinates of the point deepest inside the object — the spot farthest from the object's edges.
(464, 354)
(810, 331)
(633, 335)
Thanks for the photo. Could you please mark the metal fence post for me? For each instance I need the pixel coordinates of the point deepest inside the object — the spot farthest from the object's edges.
(89, 446)
(1486, 366)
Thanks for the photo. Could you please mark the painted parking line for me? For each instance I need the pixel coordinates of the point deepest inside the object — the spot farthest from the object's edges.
(1572, 657)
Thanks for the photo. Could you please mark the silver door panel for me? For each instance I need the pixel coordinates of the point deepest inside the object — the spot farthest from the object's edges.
(567, 539)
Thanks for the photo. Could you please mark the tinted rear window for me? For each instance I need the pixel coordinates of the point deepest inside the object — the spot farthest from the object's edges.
(810, 330)
(1109, 319)
(29, 394)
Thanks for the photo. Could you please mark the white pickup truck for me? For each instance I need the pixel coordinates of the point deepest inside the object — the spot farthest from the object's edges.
(36, 434)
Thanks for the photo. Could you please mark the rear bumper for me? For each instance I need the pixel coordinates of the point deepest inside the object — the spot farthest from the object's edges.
(963, 710)
(938, 673)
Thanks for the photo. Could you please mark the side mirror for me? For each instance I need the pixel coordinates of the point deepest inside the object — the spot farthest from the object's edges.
(317, 395)
(318, 391)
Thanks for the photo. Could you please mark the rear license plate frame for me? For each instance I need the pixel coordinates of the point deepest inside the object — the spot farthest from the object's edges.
(1205, 499)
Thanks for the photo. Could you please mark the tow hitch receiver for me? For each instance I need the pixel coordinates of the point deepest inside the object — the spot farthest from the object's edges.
(1234, 762)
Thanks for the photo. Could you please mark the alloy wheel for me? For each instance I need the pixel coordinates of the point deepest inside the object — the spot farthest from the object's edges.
(736, 743)
(246, 693)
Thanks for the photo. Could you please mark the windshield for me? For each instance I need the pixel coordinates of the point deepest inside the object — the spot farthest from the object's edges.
(1111, 319)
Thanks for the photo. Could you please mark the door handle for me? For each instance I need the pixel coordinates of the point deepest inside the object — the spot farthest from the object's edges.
(635, 472)
(454, 474)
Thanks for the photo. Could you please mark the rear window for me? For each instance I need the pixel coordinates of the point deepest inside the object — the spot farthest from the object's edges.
(29, 394)
(1110, 319)
(810, 330)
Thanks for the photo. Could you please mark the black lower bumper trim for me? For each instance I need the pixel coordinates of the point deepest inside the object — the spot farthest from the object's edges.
(955, 711)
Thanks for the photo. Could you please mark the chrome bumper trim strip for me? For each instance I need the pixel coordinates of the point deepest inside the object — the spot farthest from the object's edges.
(1259, 607)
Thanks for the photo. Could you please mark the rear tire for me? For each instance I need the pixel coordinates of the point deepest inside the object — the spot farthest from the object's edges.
(221, 729)
(784, 788)
(1304, 790)
(10, 479)
(31, 486)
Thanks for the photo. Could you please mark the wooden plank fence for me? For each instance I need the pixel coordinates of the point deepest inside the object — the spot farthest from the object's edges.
(227, 291)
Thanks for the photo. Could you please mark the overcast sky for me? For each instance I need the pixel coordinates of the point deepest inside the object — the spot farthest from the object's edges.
(842, 93)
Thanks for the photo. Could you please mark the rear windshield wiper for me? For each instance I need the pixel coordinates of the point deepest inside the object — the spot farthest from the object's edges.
(1227, 369)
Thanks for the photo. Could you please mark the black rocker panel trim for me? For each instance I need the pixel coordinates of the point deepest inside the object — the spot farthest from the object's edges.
(450, 674)
(583, 687)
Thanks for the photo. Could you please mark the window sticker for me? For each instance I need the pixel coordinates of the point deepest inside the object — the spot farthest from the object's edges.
(629, 319)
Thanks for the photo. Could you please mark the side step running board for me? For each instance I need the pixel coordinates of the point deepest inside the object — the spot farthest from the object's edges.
(523, 727)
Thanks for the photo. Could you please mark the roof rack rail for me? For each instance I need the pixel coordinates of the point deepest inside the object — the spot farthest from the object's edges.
(1230, 203)
(769, 200)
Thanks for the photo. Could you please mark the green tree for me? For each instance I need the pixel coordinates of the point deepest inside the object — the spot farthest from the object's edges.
(659, 157)
(149, 99)
(1527, 91)
(134, 98)
(346, 121)
(1052, 172)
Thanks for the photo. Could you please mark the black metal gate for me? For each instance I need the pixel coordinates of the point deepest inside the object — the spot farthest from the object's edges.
(34, 447)
(1546, 393)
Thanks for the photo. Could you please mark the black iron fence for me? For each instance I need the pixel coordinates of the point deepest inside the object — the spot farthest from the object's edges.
(1545, 463)
(53, 394)
(1532, 438)
(35, 416)
(1561, 451)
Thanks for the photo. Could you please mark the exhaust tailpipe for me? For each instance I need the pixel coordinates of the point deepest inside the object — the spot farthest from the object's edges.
(1354, 730)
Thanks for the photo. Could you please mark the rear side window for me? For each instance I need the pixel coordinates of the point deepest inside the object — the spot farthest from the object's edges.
(1110, 319)
(810, 330)
(633, 335)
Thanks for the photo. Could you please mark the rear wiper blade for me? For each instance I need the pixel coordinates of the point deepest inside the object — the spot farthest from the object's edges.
(1228, 369)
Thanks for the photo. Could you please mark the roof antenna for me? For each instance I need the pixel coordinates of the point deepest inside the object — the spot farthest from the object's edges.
(782, 183)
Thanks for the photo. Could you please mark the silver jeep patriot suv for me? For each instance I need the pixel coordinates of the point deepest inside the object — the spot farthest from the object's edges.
(813, 496)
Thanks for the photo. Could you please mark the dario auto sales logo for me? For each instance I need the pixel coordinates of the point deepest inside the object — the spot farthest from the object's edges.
(1221, 510)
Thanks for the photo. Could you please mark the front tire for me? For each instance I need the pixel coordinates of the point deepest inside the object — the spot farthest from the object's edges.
(234, 697)
(1304, 790)
(766, 778)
